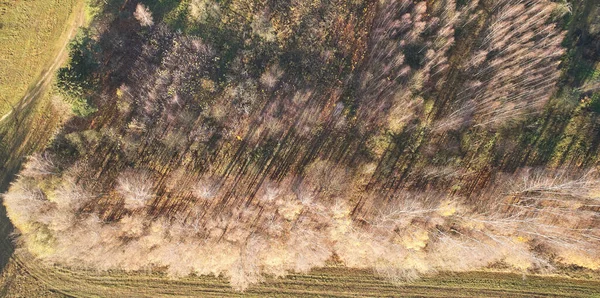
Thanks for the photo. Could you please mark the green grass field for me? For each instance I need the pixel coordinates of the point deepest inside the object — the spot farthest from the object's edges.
(30, 34)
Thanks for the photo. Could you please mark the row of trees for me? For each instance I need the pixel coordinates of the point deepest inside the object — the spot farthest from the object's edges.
(529, 221)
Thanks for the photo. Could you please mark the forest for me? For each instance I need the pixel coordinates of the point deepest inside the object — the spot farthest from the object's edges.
(261, 138)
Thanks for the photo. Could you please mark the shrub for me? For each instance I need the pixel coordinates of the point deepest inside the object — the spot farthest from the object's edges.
(595, 103)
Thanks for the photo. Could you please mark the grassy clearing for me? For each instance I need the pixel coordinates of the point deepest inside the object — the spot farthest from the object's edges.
(29, 32)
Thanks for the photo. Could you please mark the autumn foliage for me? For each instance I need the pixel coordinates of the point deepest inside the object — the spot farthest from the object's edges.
(253, 140)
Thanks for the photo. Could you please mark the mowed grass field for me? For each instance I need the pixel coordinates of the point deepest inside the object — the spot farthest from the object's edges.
(30, 37)
(26, 278)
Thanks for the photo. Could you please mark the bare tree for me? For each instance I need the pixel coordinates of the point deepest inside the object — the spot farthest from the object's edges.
(39, 164)
(143, 15)
(271, 76)
(136, 188)
(71, 196)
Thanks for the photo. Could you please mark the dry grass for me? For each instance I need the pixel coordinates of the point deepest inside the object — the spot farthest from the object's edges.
(24, 278)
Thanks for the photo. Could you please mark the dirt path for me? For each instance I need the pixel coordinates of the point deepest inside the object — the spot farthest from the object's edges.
(46, 77)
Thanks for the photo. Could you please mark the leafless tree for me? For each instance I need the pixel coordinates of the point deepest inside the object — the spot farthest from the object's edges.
(136, 188)
(271, 76)
(143, 15)
(39, 164)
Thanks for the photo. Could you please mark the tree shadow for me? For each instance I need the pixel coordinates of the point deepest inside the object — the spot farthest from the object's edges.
(7, 248)
(13, 135)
